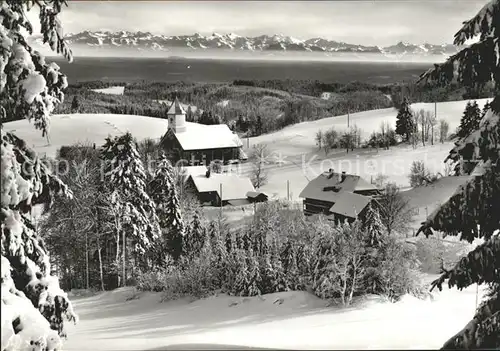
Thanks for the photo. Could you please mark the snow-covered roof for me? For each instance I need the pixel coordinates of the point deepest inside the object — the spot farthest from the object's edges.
(176, 108)
(233, 186)
(188, 171)
(328, 185)
(200, 137)
(350, 204)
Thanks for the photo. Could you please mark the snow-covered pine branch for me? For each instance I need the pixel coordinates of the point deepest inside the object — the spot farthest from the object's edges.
(472, 212)
(33, 305)
(34, 87)
(479, 63)
(465, 273)
(484, 326)
(482, 144)
(481, 24)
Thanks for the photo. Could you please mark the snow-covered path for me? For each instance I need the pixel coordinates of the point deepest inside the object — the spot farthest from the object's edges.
(109, 322)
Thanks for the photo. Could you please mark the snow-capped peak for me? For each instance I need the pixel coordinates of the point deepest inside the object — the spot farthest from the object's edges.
(277, 42)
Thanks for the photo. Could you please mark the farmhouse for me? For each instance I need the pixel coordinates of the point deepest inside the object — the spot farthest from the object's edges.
(257, 196)
(212, 188)
(196, 143)
(326, 95)
(339, 196)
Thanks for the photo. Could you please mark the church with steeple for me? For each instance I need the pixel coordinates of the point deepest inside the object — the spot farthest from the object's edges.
(198, 144)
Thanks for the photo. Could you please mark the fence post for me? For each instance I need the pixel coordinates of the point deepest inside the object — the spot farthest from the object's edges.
(220, 203)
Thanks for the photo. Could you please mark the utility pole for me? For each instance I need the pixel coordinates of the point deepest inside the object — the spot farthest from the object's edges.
(87, 260)
(124, 248)
(347, 117)
(248, 141)
(477, 294)
(288, 190)
(221, 198)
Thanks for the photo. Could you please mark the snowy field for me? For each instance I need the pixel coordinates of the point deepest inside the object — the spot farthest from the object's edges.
(109, 322)
(86, 128)
(294, 156)
(114, 321)
(115, 90)
(299, 138)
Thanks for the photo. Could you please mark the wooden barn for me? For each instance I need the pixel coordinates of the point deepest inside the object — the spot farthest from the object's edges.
(257, 196)
(339, 196)
(212, 188)
(199, 144)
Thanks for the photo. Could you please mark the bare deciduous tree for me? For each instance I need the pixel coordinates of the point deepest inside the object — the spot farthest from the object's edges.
(319, 139)
(330, 140)
(381, 180)
(258, 159)
(444, 128)
(395, 212)
(431, 123)
(385, 129)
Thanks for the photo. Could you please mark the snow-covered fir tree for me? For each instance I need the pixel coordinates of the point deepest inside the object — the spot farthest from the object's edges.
(34, 308)
(254, 279)
(272, 274)
(404, 120)
(470, 119)
(195, 235)
(290, 266)
(124, 175)
(240, 269)
(372, 225)
(168, 209)
(472, 212)
(217, 234)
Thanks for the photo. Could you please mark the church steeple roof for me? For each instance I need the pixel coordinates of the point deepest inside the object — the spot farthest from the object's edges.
(176, 108)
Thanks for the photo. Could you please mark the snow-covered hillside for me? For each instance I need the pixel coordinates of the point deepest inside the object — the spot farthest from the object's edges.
(112, 320)
(109, 322)
(295, 157)
(300, 160)
(86, 128)
(115, 90)
(299, 138)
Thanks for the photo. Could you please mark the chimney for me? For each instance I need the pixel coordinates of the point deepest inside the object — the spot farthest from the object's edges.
(207, 174)
(343, 177)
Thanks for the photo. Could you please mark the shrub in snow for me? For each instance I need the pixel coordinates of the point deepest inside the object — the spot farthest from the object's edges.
(420, 175)
(472, 212)
(348, 262)
(338, 262)
(33, 305)
(395, 272)
(430, 254)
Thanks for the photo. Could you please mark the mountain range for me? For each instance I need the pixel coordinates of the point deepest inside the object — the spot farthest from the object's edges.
(146, 41)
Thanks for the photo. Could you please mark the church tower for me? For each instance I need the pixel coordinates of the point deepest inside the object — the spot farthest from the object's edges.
(176, 117)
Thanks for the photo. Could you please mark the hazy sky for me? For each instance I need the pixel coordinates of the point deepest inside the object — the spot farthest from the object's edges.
(379, 22)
